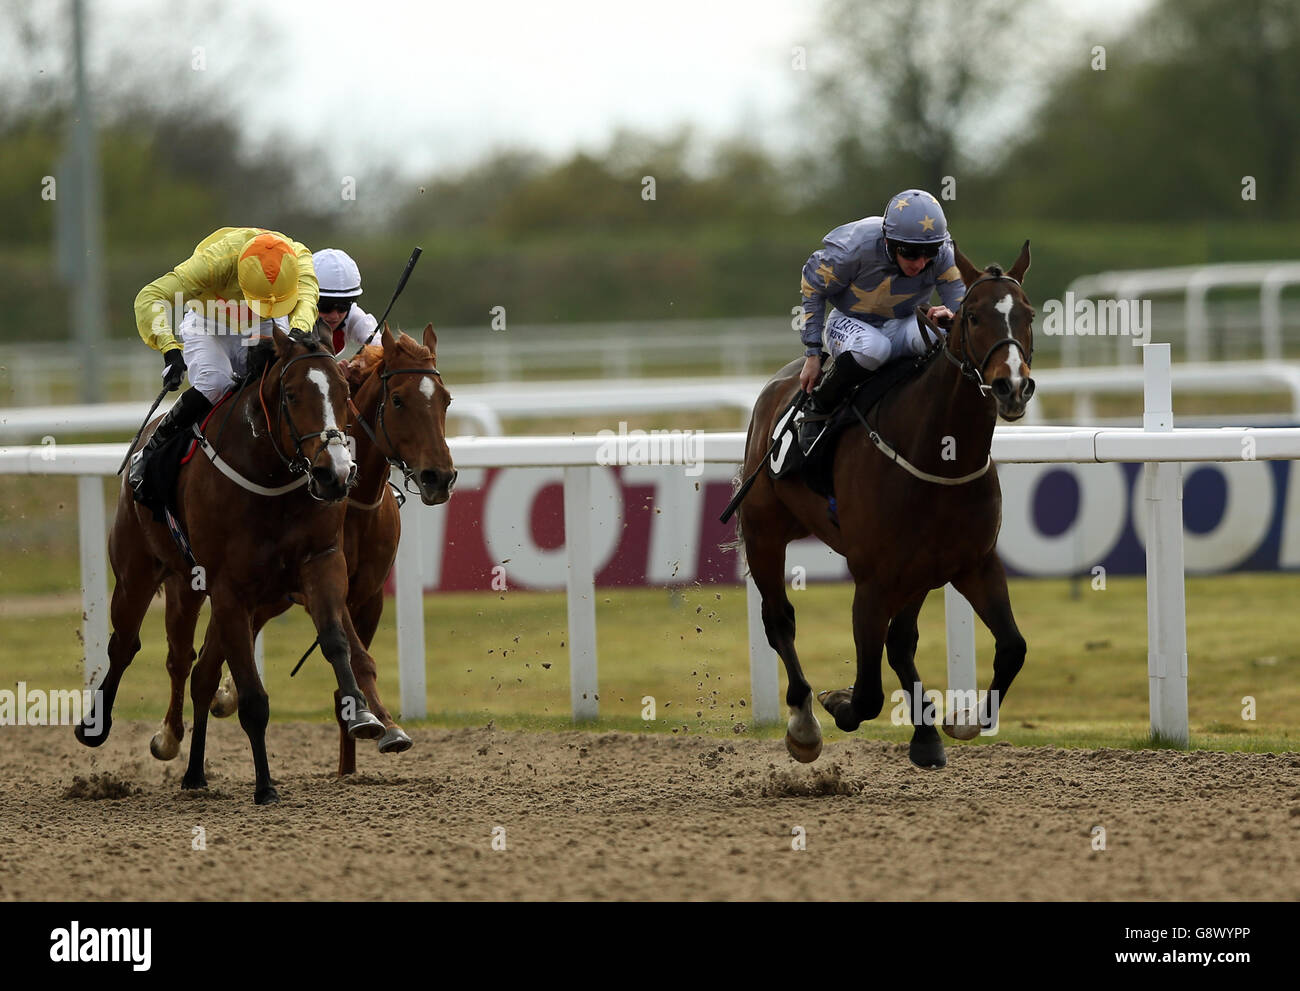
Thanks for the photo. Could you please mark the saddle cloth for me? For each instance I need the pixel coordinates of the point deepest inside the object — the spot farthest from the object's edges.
(158, 488)
(817, 467)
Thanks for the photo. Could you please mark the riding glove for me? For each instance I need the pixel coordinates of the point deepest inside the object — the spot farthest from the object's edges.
(173, 369)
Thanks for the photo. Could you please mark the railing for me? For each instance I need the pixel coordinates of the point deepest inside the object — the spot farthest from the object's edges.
(1194, 282)
(485, 406)
(1156, 443)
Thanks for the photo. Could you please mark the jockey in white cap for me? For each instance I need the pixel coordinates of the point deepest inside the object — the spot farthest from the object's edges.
(339, 321)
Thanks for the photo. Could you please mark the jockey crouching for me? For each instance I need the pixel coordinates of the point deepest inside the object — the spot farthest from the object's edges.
(873, 272)
(238, 284)
(339, 322)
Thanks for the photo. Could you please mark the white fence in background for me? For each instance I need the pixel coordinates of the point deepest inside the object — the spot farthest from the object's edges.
(485, 406)
(1156, 443)
(1194, 282)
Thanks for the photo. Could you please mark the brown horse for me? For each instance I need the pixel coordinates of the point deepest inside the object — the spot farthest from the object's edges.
(904, 530)
(400, 418)
(255, 545)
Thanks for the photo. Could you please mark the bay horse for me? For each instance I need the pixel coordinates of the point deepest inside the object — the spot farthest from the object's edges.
(395, 421)
(906, 526)
(262, 526)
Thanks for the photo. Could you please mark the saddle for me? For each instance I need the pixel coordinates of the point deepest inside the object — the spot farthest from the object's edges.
(817, 467)
(158, 487)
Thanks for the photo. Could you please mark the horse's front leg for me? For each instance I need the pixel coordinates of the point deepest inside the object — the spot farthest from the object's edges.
(234, 624)
(365, 619)
(850, 706)
(325, 588)
(985, 587)
(926, 748)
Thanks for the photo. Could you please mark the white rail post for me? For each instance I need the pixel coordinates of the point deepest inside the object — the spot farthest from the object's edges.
(259, 653)
(1166, 604)
(94, 573)
(581, 582)
(959, 627)
(764, 680)
(410, 614)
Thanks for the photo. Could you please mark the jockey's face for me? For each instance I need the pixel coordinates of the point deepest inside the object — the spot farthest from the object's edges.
(333, 312)
(912, 266)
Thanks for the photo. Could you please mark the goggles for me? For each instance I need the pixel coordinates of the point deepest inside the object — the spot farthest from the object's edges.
(334, 305)
(914, 251)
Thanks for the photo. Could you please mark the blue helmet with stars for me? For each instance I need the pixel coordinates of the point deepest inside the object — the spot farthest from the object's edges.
(915, 217)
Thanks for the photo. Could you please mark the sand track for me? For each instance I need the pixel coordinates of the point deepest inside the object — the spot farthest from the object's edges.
(621, 816)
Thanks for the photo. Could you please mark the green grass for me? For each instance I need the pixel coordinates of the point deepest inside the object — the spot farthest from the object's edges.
(504, 657)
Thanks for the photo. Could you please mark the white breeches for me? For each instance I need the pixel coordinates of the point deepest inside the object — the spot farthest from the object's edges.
(214, 358)
(872, 346)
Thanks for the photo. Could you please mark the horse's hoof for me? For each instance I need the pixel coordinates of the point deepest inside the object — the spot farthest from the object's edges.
(266, 796)
(394, 741)
(194, 782)
(225, 701)
(804, 753)
(89, 737)
(365, 726)
(966, 728)
(164, 746)
(928, 756)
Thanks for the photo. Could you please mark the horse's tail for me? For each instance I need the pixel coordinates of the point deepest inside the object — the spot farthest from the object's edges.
(737, 543)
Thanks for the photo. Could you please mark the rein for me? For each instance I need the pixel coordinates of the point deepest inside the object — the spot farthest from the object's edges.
(300, 464)
(408, 473)
(968, 370)
(967, 367)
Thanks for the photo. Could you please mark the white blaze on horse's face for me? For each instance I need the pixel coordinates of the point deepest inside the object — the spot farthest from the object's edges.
(426, 387)
(340, 456)
(1004, 306)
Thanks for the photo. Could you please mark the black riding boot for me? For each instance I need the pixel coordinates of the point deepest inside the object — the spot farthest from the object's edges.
(186, 411)
(837, 381)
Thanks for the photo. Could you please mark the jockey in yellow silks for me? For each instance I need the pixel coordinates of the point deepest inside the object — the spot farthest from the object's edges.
(238, 284)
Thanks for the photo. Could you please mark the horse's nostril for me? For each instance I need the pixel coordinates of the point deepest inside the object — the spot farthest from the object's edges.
(437, 478)
(1027, 390)
(322, 475)
(1001, 388)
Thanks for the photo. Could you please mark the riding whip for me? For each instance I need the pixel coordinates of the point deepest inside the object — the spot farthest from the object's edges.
(130, 450)
(401, 284)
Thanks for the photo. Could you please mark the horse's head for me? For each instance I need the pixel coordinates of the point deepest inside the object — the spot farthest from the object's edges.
(992, 333)
(310, 397)
(411, 414)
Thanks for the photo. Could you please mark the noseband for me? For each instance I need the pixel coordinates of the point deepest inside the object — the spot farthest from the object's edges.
(408, 473)
(299, 464)
(968, 367)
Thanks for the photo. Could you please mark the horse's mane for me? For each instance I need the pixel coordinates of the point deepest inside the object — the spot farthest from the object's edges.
(369, 358)
(263, 353)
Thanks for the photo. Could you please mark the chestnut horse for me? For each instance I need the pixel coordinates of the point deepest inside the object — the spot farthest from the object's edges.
(400, 418)
(918, 506)
(254, 545)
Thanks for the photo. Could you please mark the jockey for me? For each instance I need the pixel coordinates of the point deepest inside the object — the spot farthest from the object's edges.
(235, 275)
(339, 323)
(873, 272)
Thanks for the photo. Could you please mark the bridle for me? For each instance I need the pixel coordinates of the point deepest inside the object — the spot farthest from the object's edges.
(408, 473)
(299, 464)
(968, 367)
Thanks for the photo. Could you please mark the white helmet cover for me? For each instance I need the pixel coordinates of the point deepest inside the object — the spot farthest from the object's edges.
(337, 273)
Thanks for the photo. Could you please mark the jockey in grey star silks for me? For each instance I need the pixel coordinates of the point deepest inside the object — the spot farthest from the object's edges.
(873, 272)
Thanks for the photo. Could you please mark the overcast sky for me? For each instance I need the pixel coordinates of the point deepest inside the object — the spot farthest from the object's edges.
(440, 84)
